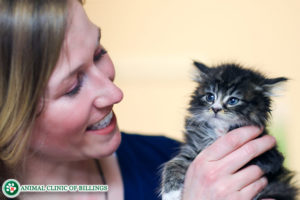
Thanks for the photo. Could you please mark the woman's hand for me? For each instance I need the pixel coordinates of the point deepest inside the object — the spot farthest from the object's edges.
(215, 174)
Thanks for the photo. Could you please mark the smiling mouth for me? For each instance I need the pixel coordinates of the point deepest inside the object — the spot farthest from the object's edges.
(103, 123)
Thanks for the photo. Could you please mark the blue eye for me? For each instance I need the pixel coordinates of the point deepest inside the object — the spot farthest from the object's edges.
(233, 101)
(210, 97)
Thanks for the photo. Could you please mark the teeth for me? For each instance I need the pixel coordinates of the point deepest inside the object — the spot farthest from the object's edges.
(103, 123)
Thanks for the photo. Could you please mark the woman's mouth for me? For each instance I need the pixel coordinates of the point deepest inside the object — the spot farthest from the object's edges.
(103, 123)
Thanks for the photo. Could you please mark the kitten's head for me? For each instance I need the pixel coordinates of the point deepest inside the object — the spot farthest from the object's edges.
(232, 94)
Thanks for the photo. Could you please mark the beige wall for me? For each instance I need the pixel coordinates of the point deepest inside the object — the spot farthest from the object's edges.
(153, 42)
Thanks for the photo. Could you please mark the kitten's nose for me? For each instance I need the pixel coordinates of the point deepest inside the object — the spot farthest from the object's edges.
(216, 110)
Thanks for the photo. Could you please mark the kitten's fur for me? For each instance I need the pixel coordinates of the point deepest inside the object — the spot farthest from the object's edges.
(249, 94)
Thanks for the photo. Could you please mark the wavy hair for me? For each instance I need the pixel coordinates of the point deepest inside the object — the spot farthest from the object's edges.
(31, 37)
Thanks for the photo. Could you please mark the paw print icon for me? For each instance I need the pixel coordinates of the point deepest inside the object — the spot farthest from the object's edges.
(11, 188)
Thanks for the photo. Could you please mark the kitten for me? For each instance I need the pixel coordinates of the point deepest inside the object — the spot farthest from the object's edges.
(227, 97)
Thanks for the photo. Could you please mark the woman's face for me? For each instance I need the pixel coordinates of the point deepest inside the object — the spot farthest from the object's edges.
(77, 120)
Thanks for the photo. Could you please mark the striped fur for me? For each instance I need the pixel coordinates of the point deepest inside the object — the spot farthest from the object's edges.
(228, 96)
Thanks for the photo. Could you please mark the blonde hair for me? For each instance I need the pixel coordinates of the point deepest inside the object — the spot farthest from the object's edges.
(31, 37)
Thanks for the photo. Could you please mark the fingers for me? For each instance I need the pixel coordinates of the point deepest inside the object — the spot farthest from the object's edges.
(252, 172)
(230, 142)
(250, 191)
(218, 167)
(247, 152)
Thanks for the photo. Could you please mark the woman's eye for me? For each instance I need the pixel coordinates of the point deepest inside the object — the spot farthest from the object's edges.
(75, 90)
(99, 53)
(233, 101)
(210, 97)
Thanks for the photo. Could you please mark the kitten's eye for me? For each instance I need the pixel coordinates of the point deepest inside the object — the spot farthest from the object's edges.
(233, 101)
(210, 97)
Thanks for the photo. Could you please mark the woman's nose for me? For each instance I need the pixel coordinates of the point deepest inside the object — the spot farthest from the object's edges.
(103, 89)
(111, 95)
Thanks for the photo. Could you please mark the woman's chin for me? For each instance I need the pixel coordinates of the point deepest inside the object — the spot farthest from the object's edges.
(113, 144)
(105, 148)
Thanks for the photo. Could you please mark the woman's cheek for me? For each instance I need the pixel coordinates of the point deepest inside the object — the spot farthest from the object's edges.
(73, 118)
(62, 119)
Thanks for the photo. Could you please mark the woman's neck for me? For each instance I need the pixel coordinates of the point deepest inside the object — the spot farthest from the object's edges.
(42, 171)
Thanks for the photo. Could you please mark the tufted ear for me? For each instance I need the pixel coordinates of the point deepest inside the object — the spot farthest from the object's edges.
(203, 71)
(203, 68)
(274, 86)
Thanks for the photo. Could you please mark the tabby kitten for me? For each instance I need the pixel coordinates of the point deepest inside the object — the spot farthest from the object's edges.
(227, 97)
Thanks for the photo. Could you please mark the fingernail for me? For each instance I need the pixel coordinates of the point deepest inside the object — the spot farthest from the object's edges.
(264, 180)
(273, 139)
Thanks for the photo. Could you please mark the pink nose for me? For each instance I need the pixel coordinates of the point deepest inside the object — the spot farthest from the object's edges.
(216, 110)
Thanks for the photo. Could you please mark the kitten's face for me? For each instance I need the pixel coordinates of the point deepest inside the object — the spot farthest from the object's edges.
(219, 104)
(232, 95)
(214, 102)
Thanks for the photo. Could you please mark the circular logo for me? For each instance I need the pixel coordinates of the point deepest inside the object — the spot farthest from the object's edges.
(11, 188)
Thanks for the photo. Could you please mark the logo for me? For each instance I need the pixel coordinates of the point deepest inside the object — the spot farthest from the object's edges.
(11, 188)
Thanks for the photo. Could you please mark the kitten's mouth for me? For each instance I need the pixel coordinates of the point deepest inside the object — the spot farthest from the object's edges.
(216, 116)
(216, 119)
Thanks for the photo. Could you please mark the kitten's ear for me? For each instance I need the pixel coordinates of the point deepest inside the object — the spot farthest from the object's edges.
(202, 72)
(203, 68)
(274, 86)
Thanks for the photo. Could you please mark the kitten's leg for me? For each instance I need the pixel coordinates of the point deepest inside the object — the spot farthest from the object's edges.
(174, 174)
(199, 135)
(173, 178)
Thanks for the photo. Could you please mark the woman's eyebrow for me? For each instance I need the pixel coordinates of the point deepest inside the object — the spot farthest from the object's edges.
(75, 70)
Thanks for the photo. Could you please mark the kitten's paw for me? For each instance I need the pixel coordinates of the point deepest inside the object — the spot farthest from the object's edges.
(172, 195)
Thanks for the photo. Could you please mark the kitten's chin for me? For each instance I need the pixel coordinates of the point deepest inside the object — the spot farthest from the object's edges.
(219, 125)
(223, 126)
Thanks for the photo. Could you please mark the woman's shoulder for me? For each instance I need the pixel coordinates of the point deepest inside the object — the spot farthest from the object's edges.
(140, 159)
(156, 146)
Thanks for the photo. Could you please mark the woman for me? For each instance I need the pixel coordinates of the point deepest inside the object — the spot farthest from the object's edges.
(57, 125)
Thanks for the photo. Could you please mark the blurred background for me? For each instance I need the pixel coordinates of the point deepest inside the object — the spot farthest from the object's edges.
(153, 43)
